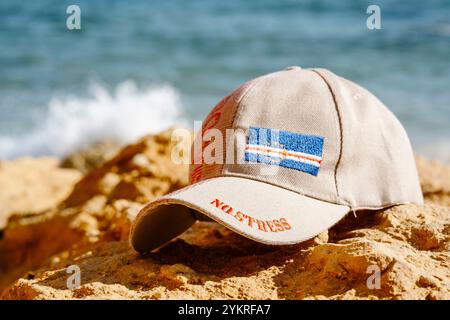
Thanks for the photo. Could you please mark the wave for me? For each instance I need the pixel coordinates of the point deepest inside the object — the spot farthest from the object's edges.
(72, 123)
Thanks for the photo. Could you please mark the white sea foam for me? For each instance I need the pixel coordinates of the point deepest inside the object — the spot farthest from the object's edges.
(72, 123)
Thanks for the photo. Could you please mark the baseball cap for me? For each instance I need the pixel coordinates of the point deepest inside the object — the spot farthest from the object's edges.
(301, 148)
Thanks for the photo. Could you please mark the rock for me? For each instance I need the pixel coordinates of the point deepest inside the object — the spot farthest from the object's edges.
(99, 208)
(435, 180)
(408, 246)
(208, 262)
(125, 177)
(28, 186)
(92, 157)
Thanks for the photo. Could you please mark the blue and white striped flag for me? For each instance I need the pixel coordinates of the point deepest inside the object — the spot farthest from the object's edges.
(283, 148)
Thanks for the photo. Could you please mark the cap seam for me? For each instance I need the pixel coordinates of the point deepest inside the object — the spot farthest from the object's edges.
(315, 196)
(145, 208)
(384, 206)
(312, 196)
(340, 132)
(240, 107)
(193, 206)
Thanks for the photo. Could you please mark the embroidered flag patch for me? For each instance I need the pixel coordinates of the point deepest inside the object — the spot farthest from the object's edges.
(285, 149)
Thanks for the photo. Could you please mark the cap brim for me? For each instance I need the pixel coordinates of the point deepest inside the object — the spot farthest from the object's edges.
(254, 209)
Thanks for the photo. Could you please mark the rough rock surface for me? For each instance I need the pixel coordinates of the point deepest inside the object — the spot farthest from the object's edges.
(99, 208)
(90, 158)
(30, 185)
(435, 181)
(408, 245)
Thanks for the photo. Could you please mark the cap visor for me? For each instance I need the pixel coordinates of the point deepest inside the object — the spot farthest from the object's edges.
(254, 209)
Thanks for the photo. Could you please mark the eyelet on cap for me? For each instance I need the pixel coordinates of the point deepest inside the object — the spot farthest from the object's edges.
(293, 68)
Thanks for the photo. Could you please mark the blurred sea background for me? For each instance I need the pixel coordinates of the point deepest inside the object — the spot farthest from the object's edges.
(137, 67)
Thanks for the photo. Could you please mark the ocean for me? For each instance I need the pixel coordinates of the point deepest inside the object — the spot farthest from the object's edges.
(137, 67)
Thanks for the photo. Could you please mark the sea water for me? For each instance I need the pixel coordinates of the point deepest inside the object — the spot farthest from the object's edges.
(137, 67)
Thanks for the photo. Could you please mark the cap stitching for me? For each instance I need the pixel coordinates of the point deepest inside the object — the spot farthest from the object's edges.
(239, 112)
(240, 107)
(223, 222)
(340, 129)
(244, 96)
(318, 197)
(300, 191)
(162, 199)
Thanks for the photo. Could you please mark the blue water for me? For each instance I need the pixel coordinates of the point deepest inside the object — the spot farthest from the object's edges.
(139, 66)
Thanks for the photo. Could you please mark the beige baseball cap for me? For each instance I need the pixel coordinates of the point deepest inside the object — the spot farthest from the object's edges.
(301, 148)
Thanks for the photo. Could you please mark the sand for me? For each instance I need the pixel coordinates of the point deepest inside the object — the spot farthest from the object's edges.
(408, 245)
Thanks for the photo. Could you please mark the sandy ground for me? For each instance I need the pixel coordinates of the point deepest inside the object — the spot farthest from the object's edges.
(408, 245)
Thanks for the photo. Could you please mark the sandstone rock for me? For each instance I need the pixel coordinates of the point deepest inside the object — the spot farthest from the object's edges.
(435, 180)
(209, 262)
(92, 157)
(408, 245)
(30, 185)
(99, 208)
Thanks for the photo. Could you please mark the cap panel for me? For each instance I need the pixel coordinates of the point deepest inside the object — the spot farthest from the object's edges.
(299, 102)
(220, 118)
(377, 166)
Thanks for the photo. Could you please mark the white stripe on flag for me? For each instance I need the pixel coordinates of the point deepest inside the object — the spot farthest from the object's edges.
(281, 153)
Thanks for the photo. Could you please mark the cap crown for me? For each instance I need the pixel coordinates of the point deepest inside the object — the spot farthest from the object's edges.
(366, 160)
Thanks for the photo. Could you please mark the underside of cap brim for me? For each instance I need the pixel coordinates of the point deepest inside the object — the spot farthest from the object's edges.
(257, 210)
